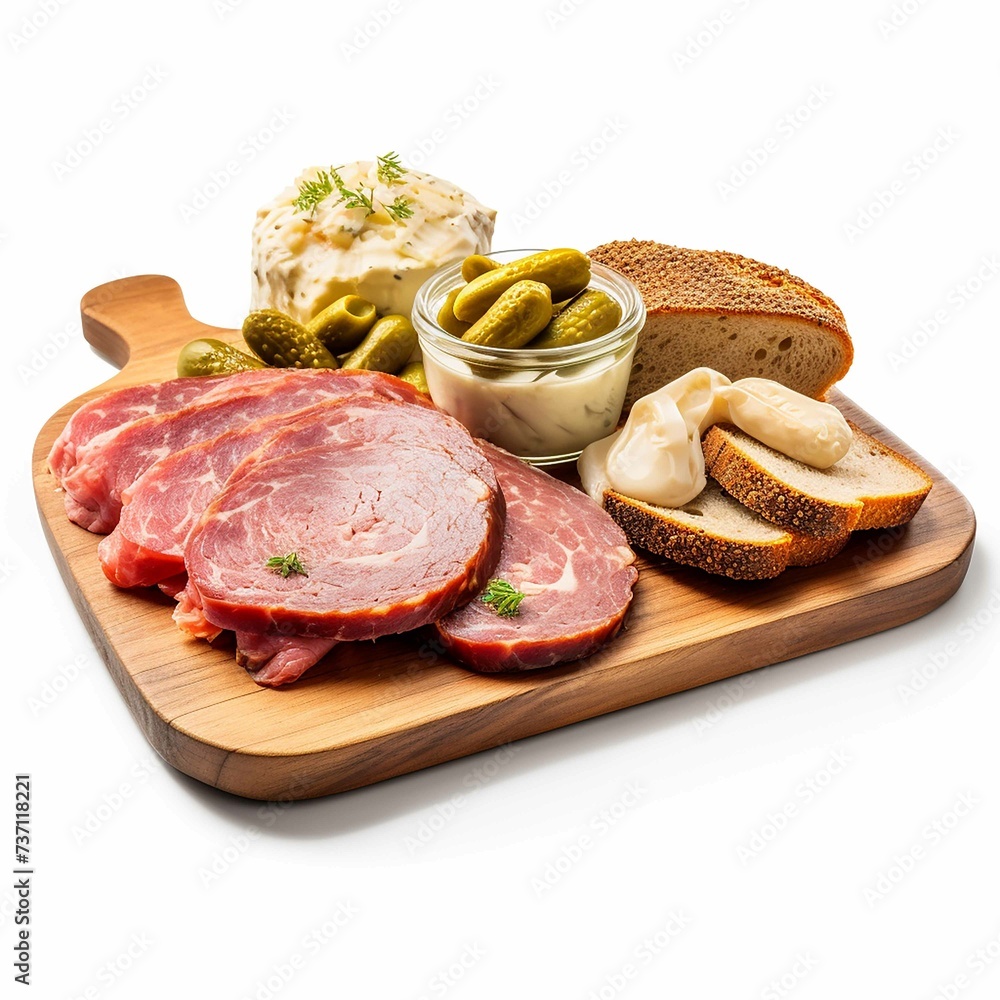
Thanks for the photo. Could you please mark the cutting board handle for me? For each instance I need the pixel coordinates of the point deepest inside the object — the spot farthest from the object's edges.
(121, 319)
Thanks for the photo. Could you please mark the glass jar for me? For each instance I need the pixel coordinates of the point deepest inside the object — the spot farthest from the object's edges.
(544, 405)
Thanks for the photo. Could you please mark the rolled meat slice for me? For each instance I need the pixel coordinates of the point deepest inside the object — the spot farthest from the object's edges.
(370, 519)
(569, 559)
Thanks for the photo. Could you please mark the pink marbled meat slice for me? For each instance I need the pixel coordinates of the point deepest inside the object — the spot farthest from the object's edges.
(161, 507)
(112, 463)
(392, 509)
(274, 660)
(102, 417)
(571, 560)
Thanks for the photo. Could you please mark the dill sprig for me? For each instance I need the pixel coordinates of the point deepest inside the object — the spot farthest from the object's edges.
(311, 193)
(504, 599)
(286, 564)
(399, 209)
(390, 169)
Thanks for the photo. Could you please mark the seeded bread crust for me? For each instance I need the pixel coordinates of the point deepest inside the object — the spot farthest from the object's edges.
(710, 545)
(743, 467)
(733, 313)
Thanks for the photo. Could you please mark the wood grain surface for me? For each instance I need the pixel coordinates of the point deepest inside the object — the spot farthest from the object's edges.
(370, 711)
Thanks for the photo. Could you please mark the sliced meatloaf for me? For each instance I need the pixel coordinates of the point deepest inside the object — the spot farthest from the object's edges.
(392, 513)
(569, 559)
(113, 461)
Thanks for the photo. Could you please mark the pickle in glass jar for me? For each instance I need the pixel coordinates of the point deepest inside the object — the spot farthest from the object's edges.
(566, 272)
(517, 316)
(590, 315)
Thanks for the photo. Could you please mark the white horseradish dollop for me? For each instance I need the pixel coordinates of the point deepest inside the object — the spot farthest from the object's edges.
(657, 458)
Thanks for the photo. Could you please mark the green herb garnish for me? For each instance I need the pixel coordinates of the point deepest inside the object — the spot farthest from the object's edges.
(390, 169)
(399, 209)
(311, 193)
(286, 564)
(504, 599)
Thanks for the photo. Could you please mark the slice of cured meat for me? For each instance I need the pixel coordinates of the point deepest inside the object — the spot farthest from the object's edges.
(571, 561)
(112, 462)
(273, 660)
(102, 416)
(392, 512)
(166, 501)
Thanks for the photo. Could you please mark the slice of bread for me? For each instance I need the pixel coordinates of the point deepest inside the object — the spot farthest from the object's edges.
(730, 313)
(716, 533)
(872, 486)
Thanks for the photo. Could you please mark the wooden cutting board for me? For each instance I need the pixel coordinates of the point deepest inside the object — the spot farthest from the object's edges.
(370, 711)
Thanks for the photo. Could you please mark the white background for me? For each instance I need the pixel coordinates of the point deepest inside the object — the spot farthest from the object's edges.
(578, 128)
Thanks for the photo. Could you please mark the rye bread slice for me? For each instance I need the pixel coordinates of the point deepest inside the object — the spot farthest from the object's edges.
(872, 486)
(718, 534)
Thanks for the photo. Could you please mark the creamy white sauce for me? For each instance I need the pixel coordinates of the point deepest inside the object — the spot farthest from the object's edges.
(304, 260)
(657, 456)
(534, 414)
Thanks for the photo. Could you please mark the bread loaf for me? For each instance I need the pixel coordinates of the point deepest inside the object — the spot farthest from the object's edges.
(730, 313)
